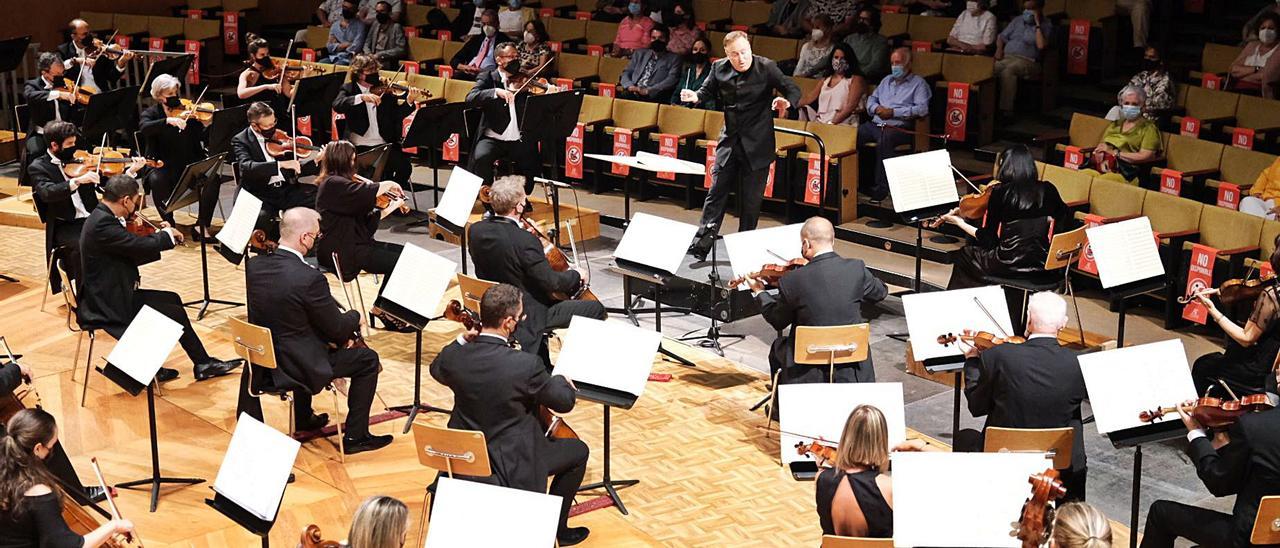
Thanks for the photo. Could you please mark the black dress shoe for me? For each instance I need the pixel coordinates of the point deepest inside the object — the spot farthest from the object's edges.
(314, 422)
(215, 368)
(367, 443)
(165, 374)
(572, 535)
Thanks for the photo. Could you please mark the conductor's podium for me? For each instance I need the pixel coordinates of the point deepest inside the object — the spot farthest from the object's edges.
(585, 222)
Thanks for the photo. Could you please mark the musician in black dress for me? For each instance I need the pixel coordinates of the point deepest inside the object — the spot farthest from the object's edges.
(12, 376)
(1251, 350)
(30, 500)
(178, 142)
(255, 86)
(855, 495)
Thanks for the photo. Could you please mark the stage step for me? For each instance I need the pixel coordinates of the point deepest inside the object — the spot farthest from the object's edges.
(898, 238)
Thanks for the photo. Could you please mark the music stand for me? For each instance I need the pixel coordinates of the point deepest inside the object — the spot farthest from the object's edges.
(226, 124)
(195, 178)
(314, 95)
(550, 118)
(430, 128)
(12, 52)
(1109, 248)
(176, 67)
(250, 522)
(372, 162)
(109, 111)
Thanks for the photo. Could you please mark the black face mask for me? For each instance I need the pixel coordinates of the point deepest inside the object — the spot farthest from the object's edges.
(348, 13)
(267, 132)
(658, 45)
(860, 28)
(372, 79)
(383, 18)
(698, 58)
(58, 82)
(173, 102)
(677, 19)
(1150, 64)
(87, 41)
(66, 155)
(265, 62)
(512, 66)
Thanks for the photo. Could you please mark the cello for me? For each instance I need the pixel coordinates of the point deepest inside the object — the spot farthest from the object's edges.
(1035, 526)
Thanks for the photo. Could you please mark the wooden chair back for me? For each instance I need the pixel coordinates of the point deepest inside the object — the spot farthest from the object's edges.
(1057, 440)
(452, 451)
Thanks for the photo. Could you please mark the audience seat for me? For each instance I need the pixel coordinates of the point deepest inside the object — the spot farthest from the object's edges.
(99, 21)
(415, 15)
(842, 170)
(1072, 185)
(1213, 108)
(750, 14)
(582, 69)
(426, 52)
(1104, 31)
(455, 91)
(979, 73)
(934, 30)
(1177, 221)
(1085, 131)
(686, 124)
(639, 117)
(596, 112)
(569, 32)
(316, 37)
(778, 49)
(1240, 167)
(599, 33)
(894, 26)
(1260, 115)
(786, 181)
(131, 25)
(611, 69)
(1197, 159)
(716, 14)
(1214, 59)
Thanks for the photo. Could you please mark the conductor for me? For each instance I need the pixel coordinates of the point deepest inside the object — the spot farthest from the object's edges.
(744, 84)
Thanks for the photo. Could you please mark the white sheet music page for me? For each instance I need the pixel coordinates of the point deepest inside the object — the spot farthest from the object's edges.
(663, 164)
(655, 242)
(529, 519)
(750, 250)
(146, 345)
(1125, 252)
(935, 313)
(608, 353)
(255, 468)
(820, 410)
(629, 161)
(238, 227)
(1124, 382)
(917, 181)
(961, 499)
(419, 280)
(459, 197)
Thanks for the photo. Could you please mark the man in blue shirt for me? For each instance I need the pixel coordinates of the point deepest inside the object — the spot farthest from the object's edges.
(899, 100)
(346, 36)
(1018, 50)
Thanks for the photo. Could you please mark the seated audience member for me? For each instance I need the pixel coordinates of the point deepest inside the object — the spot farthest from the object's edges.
(694, 71)
(1156, 83)
(385, 39)
(927, 8)
(1131, 140)
(683, 28)
(855, 493)
(1018, 50)
(815, 53)
(975, 28)
(869, 46)
(839, 11)
(1080, 525)
(1256, 67)
(901, 98)
(477, 53)
(1139, 12)
(368, 10)
(379, 522)
(512, 17)
(533, 49)
(651, 73)
(840, 98)
(1261, 200)
(633, 31)
(346, 36)
(611, 11)
(786, 19)
(1250, 31)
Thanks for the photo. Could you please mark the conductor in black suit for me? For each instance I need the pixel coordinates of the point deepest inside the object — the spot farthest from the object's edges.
(110, 295)
(104, 73)
(373, 120)
(1243, 461)
(504, 252)
(829, 290)
(499, 134)
(312, 337)
(49, 98)
(274, 180)
(1036, 384)
(498, 390)
(744, 85)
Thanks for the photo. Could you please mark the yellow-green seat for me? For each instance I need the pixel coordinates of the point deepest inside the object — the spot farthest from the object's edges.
(923, 28)
(1072, 185)
(1170, 215)
(1111, 199)
(1241, 167)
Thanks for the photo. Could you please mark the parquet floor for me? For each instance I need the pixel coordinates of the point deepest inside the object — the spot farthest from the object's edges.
(708, 472)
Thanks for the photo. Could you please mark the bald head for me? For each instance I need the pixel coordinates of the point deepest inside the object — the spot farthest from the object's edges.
(1046, 313)
(296, 224)
(817, 236)
(79, 28)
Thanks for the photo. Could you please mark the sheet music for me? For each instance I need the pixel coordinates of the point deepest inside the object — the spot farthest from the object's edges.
(663, 164)
(961, 499)
(1125, 252)
(750, 250)
(941, 312)
(629, 161)
(608, 353)
(821, 409)
(917, 181)
(239, 225)
(1127, 381)
(655, 241)
(459, 197)
(146, 345)
(255, 468)
(529, 519)
(419, 280)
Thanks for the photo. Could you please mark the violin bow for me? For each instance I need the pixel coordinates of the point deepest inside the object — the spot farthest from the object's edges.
(196, 104)
(28, 380)
(111, 500)
(978, 301)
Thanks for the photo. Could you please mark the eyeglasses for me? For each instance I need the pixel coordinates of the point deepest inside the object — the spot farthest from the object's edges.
(316, 235)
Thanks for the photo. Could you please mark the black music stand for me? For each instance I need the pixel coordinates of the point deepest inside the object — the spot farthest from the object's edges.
(608, 398)
(1122, 293)
(630, 271)
(550, 119)
(431, 127)
(12, 51)
(195, 178)
(133, 387)
(109, 111)
(176, 67)
(372, 162)
(226, 124)
(458, 232)
(1136, 437)
(313, 96)
(418, 322)
(242, 517)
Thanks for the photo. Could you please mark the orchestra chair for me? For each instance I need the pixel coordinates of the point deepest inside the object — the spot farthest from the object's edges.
(828, 345)
(453, 452)
(253, 344)
(1266, 526)
(1055, 442)
(472, 290)
(69, 298)
(1064, 249)
(48, 281)
(20, 121)
(836, 541)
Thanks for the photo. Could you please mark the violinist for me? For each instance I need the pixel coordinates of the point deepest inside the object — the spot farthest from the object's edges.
(499, 135)
(829, 290)
(1241, 461)
(497, 390)
(1250, 351)
(177, 141)
(1035, 384)
(855, 493)
(504, 252)
(349, 217)
(256, 85)
(30, 500)
(85, 51)
(373, 116)
(49, 99)
(313, 338)
(273, 179)
(110, 294)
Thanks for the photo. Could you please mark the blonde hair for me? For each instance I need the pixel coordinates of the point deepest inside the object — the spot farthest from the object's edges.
(735, 35)
(506, 193)
(865, 441)
(1079, 525)
(380, 522)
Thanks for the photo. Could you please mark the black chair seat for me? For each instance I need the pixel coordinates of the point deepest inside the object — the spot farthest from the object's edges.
(1047, 281)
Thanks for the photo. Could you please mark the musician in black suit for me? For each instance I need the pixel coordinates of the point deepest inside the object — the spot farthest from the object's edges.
(48, 99)
(1241, 461)
(313, 339)
(177, 142)
(104, 73)
(499, 390)
(272, 179)
(504, 252)
(499, 135)
(110, 295)
(1036, 384)
(829, 290)
(373, 120)
(744, 85)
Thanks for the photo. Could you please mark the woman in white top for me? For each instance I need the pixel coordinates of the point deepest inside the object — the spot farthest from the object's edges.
(975, 28)
(1257, 66)
(841, 97)
(814, 52)
(512, 18)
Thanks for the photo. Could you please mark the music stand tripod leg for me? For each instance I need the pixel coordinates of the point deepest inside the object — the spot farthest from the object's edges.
(712, 339)
(206, 299)
(607, 482)
(156, 480)
(411, 410)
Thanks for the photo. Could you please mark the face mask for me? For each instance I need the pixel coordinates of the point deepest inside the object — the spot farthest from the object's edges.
(972, 7)
(87, 41)
(634, 9)
(58, 81)
(698, 58)
(383, 18)
(490, 30)
(529, 37)
(172, 102)
(1150, 64)
(676, 19)
(267, 132)
(66, 155)
(1029, 16)
(897, 71)
(372, 79)
(348, 13)
(1131, 112)
(860, 27)
(658, 45)
(512, 66)
(816, 35)
(1267, 36)
(839, 66)
(515, 4)
(264, 62)
(479, 3)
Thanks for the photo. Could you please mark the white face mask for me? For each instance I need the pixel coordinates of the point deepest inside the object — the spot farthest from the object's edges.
(490, 30)
(1268, 36)
(816, 34)
(973, 6)
(529, 37)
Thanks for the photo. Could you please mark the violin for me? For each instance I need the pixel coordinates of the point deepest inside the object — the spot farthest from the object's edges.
(982, 340)
(82, 93)
(531, 82)
(401, 90)
(1236, 290)
(140, 226)
(291, 72)
(1212, 412)
(106, 161)
(280, 144)
(821, 453)
(311, 538)
(203, 112)
(1035, 526)
(771, 273)
(385, 200)
(455, 312)
(258, 240)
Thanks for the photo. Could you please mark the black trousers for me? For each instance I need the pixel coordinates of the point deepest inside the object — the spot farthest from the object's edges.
(162, 183)
(358, 364)
(169, 304)
(1209, 368)
(887, 142)
(398, 167)
(726, 179)
(523, 155)
(66, 243)
(382, 260)
(969, 440)
(567, 465)
(1168, 520)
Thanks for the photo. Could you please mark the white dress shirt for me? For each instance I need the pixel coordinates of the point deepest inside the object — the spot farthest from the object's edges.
(512, 132)
(372, 137)
(57, 109)
(293, 251)
(86, 72)
(81, 212)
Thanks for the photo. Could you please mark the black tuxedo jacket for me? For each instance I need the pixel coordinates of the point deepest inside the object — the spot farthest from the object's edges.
(105, 72)
(497, 390)
(292, 300)
(166, 143)
(829, 290)
(746, 98)
(256, 169)
(110, 257)
(493, 109)
(1036, 384)
(1248, 467)
(390, 115)
(348, 219)
(42, 109)
(52, 192)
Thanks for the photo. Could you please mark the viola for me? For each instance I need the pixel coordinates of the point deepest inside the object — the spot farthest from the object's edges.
(555, 256)
(1236, 290)
(455, 312)
(280, 144)
(1036, 523)
(771, 273)
(971, 206)
(401, 89)
(311, 538)
(819, 451)
(982, 340)
(203, 112)
(1214, 412)
(107, 162)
